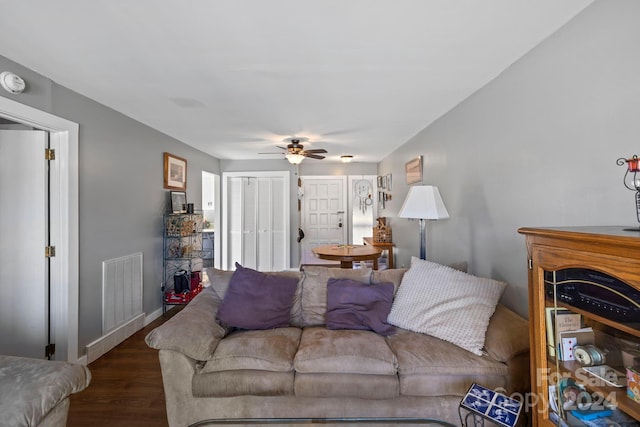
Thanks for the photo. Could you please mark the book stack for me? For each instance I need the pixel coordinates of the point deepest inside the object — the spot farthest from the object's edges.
(564, 332)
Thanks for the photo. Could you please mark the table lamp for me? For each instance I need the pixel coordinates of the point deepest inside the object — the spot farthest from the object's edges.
(423, 202)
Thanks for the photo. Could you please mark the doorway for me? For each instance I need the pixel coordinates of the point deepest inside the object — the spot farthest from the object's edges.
(63, 228)
(323, 218)
(336, 210)
(211, 213)
(255, 220)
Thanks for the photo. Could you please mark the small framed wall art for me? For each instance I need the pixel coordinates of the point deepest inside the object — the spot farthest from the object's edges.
(178, 202)
(175, 172)
(413, 170)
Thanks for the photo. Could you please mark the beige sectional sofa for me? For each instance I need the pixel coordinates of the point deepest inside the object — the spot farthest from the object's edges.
(306, 370)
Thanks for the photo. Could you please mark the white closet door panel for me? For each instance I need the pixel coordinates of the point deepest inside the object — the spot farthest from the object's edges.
(263, 216)
(234, 226)
(279, 225)
(249, 233)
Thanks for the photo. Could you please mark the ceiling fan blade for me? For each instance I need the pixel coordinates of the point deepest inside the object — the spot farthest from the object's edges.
(312, 156)
(317, 150)
(273, 152)
(281, 147)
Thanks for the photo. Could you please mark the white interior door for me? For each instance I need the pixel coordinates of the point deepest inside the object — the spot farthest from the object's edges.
(24, 324)
(324, 218)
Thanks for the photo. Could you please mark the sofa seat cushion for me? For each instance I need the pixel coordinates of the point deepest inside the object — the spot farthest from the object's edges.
(344, 352)
(429, 366)
(244, 382)
(361, 386)
(260, 350)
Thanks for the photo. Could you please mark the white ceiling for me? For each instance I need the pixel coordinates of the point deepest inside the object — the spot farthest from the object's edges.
(234, 77)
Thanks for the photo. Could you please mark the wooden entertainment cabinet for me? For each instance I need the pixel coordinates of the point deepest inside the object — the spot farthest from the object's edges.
(557, 259)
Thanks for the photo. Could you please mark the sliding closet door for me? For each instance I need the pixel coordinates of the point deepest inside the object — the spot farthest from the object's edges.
(271, 224)
(256, 220)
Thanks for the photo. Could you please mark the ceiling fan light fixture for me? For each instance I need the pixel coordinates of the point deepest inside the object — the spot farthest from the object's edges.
(347, 158)
(295, 159)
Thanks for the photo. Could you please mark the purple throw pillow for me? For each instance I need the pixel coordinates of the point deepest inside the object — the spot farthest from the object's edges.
(357, 305)
(255, 300)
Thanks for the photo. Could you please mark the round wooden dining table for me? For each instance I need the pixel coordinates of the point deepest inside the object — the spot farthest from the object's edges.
(346, 254)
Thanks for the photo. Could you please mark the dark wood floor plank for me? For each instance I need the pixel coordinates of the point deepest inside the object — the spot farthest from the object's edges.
(126, 387)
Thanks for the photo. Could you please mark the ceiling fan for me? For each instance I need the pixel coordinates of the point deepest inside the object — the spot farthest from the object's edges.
(296, 152)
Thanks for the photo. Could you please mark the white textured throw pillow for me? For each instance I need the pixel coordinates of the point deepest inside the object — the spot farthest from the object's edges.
(446, 303)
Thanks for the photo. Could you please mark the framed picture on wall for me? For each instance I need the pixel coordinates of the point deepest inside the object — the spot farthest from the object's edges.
(178, 202)
(413, 170)
(175, 172)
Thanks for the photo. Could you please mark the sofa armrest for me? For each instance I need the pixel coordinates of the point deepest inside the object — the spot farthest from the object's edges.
(507, 335)
(33, 388)
(194, 331)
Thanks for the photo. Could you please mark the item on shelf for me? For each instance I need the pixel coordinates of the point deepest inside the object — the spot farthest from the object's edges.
(633, 384)
(611, 377)
(559, 319)
(568, 340)
(631, 358)
(180, 282)
(381, 232)
(195, 278)
(182, 297)
(589, 355)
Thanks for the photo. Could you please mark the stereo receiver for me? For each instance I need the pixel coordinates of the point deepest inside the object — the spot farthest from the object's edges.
(594, 291)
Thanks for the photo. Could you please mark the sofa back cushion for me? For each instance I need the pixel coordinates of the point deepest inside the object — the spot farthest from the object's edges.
(356, 305)
(314, 290)
(255, 300)
(393, 275)
(446, 303)
(219, 282)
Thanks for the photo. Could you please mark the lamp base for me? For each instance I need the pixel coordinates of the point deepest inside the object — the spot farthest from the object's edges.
(423, 239)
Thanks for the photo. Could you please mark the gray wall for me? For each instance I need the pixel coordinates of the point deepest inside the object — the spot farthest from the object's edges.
(121, 192)
(535, 147)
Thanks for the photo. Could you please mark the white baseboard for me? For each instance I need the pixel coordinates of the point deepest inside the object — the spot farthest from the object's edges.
(153, 316)
(107, 342)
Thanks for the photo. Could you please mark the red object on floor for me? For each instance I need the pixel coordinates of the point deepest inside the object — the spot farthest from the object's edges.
(171, 297)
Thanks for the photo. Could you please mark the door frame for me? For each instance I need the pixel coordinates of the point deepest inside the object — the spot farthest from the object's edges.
(64, 226)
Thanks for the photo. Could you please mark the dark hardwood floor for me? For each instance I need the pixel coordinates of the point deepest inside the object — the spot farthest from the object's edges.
(126, 386)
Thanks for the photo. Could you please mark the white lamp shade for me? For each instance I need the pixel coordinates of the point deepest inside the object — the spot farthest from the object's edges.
(295, 159)
(423, 202)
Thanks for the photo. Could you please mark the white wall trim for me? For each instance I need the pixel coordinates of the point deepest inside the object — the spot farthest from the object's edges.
(65, 234)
